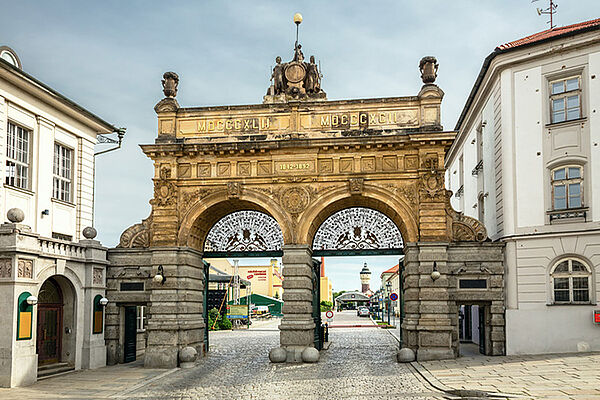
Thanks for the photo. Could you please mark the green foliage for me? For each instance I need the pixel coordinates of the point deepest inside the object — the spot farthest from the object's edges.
(326, 306)
(336, 294)
(223, 323)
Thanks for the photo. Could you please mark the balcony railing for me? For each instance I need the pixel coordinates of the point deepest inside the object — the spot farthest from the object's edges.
(567, 213)
(62, 248)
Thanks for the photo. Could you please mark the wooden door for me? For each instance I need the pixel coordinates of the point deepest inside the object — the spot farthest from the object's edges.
(129, 347)
(49, 333)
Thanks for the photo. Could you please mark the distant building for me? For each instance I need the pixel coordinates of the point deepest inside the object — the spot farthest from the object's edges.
(526, 163)
(326, 285)
(351, 300)
(264, 279)
(390, 278)
(365, 279)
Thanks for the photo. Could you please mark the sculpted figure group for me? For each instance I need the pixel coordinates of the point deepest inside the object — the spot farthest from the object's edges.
(308, 83)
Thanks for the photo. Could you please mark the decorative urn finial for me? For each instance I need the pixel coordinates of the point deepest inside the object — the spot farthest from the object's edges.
(429, 67)
(170, 82)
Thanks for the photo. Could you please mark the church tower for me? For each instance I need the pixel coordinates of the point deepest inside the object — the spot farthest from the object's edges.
(365, 279)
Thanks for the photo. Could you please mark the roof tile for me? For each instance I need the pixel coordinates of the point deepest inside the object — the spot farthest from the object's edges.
(548, 33)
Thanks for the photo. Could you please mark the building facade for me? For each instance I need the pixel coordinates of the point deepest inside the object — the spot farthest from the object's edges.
(52, 271)
(526, 163)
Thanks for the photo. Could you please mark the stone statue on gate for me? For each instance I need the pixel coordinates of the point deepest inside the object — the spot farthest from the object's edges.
(295, 80)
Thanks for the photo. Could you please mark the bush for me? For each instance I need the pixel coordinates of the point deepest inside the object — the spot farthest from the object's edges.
(326, 306)
(224, 323)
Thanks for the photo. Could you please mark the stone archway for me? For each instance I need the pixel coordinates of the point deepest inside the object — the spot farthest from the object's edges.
(300, 158)
(56, 322)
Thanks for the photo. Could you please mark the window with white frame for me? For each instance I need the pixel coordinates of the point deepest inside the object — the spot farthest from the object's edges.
(565, 99)
(17, 156)
(63, 157)
(567, 188)
(141, 318)
(571, 282)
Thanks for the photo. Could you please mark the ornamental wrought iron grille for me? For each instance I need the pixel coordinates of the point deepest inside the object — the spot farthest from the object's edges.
(244, 231)
(357, 228)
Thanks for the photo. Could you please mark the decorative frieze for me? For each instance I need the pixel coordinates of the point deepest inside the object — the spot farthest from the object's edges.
(25, 268)
(97, 276)
(5, 267)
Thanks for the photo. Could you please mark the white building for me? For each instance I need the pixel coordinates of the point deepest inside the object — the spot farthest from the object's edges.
(47, 153)
(526, 162)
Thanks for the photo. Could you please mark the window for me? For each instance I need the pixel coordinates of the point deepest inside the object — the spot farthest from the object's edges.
(17, 156)
(565, 99)
(62, 172)
(567, 188)
(141, 318)
(571, 282)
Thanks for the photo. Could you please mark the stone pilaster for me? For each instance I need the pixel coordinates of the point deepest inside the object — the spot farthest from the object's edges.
(427, 327)
(94, 346)
(175, 310)
(297, 326)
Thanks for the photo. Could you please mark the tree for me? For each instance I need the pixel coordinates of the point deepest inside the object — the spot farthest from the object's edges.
(336, 294)
(326, 306)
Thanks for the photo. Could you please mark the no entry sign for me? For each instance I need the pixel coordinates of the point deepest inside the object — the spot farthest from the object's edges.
(393, 297)
(329, 314)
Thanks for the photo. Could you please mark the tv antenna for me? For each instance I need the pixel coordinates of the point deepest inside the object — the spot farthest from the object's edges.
(551, 10)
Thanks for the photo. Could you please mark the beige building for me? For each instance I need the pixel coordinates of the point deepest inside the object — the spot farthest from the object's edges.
(52, 272)
(264, 279)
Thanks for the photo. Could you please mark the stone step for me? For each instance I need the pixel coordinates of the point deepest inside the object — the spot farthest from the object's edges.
(47, 371)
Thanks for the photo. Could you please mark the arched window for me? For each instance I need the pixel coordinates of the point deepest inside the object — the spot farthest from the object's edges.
(567, 187)
(571, 282)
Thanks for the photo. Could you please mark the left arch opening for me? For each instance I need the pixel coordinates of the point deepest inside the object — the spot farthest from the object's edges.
(244, 232)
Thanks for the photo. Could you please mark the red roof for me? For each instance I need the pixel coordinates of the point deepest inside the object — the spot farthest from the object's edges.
(549, 33)
(392, 270)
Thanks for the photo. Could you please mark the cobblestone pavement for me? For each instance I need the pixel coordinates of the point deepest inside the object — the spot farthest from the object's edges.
(556, 376)
(359, 364)
(101, 383)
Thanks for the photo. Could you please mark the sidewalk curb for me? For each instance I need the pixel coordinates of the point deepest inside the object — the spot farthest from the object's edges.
(126, 392)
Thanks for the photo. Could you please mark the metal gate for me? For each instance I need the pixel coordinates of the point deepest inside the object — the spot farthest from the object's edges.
(205, 303)
(129, 345)
(316, 302)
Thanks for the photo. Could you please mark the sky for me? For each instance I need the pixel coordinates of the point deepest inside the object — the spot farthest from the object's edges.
(109, 57)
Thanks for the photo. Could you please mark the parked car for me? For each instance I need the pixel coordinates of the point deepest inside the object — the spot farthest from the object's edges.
(363, 312)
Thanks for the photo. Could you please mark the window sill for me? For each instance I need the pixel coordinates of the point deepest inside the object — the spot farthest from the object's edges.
(570, 304)
(566, 123)
(64, 203)
(18, 189)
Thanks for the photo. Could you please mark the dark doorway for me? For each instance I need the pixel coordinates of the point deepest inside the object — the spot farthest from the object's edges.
(49, 327)
(472, 329)
(129, 345)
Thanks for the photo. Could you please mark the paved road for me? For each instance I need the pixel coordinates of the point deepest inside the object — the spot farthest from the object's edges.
(348, 318)
(359, 364)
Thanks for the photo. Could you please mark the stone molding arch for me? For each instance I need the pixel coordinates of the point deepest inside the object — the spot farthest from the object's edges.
(68, 274)
(372, 197)
(219, 204)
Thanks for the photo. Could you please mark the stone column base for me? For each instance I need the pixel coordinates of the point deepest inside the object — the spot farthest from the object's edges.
(161, 357)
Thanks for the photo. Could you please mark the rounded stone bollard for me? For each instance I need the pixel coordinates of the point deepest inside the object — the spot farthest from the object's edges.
(89, 232)
(187, 357)
(15, 215)
(405, 355)
(310, 355)
(278, 355)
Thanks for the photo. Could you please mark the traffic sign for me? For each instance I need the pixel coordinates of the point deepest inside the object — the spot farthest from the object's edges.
(393, 297)
(329, 314)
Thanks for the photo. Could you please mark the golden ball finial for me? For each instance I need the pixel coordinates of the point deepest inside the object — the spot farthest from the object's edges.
(297, 18)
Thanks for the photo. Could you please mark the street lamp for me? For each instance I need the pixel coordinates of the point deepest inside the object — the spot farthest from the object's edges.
(160, 275)
(32, 300)
(103, 301)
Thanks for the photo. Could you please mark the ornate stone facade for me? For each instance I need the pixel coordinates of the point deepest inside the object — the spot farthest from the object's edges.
(300, 162)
